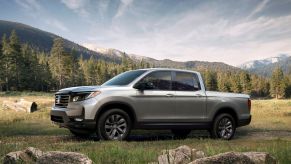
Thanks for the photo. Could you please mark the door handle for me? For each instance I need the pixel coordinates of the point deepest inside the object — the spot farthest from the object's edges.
(169, 95)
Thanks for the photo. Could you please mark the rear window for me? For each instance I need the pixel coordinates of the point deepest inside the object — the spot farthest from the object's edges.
(185, 81)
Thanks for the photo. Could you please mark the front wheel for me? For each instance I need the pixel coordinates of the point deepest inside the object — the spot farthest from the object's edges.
(114, 124)
(223, 127)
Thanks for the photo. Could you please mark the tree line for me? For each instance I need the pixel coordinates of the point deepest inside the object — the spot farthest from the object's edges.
(278, 86)
(24, 68)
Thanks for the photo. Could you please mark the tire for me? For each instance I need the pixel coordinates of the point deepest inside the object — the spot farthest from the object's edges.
(80, 134)
(114, 124)
(181, 133)
(223, 127)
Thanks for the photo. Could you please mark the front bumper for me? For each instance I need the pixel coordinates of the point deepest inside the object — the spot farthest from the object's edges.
(61, 118)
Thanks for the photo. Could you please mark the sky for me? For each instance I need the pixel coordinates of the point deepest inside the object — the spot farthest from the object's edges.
(229, 31)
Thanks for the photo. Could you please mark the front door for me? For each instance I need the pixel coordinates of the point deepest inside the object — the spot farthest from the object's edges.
(155, 102)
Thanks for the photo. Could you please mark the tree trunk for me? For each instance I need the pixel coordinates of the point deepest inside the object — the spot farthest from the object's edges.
(22, 105)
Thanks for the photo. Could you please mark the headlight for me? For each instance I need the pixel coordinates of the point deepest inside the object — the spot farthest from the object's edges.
(84, 95)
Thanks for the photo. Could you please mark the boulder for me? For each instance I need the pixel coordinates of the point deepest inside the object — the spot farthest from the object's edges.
(261, 157)
(226, 158)
(58, 157)
(180, 155)
(34, 155)
(196, 154)
(17, 157)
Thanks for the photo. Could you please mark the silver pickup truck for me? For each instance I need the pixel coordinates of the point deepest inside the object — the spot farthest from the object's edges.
(154, 98)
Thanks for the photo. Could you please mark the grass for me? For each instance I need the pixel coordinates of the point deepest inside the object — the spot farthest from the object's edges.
(270, 131)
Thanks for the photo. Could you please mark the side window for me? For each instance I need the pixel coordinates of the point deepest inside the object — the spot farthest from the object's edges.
(185, 81)
(160, 80)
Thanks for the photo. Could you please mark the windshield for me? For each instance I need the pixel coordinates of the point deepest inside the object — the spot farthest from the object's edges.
(124, 78)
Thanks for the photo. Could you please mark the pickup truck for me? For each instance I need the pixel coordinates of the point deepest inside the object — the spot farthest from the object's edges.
(154, 98)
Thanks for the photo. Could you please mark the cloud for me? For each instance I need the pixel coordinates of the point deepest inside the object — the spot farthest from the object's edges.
(57, 24)
(78, 6)
(124, 4)
(35, 10)
(258, 8)
(29, 4)
(232, 32)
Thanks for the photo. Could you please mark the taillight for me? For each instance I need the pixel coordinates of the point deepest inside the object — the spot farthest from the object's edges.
(249, 104)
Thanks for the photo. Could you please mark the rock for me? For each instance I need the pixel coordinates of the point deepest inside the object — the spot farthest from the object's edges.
(179, 155)
(226, 158)
(196, 154)
(261, 157)
(34, 153)
(58, 157)
(17, 157)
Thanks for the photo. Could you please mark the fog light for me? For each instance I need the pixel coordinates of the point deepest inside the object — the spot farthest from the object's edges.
(78, 119)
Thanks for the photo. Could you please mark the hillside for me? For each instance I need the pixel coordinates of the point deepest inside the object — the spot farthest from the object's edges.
(43, 41)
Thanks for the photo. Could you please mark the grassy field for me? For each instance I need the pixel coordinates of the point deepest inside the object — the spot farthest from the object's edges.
(270, 131)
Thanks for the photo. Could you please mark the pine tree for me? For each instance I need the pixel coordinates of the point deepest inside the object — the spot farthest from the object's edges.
(278, 85)
(2, 81)
(45, 77)
(7, 61)
(235, 85)
(60, 63)
(245, 82)
(222, 82)
(15, 54)
(90, 71)
(210, 80)
(80, 75)
(28, 68)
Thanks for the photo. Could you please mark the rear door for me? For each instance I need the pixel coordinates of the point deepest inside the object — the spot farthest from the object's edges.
(156, 102)
(190, 99)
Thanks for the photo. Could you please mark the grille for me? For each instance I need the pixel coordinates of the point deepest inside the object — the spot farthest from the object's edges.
(62, 100)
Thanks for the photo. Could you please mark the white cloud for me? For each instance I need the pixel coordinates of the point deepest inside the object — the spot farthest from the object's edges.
(122, 7)
(29, 4)
(258, 8)
(78, 6)
(57, 24)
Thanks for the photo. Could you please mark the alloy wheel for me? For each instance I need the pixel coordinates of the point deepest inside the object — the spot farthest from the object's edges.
(115, 126)
(225, 128)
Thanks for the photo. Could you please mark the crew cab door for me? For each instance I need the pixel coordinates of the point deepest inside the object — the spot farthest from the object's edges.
(189, 97)
(154, 101)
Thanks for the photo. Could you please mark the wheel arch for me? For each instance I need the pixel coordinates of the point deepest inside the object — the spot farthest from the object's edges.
(228, 110)
(120, 105)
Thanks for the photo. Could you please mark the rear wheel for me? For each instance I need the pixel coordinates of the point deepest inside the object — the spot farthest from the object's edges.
(223, 127)
(181, 133)
(114, 124)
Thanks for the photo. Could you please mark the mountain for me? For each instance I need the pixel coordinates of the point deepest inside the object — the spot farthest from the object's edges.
(264, 62)
(43, 41)
(265, 67)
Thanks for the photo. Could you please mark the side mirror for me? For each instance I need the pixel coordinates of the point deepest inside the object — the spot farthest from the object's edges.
(140, 86)
(144, 85)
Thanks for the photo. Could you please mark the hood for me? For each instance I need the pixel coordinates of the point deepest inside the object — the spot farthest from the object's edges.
(226, 94)
(79, 89)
